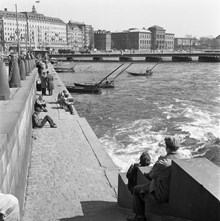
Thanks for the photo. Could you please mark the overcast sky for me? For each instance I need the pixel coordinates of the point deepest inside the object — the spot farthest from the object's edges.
(181, 17)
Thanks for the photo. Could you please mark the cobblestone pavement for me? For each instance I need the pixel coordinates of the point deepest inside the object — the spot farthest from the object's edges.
(67, 179)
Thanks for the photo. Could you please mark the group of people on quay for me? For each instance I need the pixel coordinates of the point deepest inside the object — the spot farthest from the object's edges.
(65, 102)
(156, 188)
(46, 83)
(45, 78)
(158, 179)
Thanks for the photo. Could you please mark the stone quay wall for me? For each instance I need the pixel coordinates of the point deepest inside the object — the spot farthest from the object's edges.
(15, 137)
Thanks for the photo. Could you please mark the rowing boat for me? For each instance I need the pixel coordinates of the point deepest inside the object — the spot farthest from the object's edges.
(102, 85)
(140, 73)
(60, 69)
(83, 90)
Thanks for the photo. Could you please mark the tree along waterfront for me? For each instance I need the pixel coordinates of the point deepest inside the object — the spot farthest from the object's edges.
(179, 98)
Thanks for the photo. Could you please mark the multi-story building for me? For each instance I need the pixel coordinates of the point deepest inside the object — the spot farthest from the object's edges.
(75, 35)
(102, 40)
(133, 39)
(169, 42)
(157, 37)
(139, 39)
(185, 44)
(89, 37)
(79, 36)
(9, 23)
(35, 30)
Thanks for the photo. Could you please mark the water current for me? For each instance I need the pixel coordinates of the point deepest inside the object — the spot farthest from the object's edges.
(178, 99)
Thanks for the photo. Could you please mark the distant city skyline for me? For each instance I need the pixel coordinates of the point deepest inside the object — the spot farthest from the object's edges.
(198, 18)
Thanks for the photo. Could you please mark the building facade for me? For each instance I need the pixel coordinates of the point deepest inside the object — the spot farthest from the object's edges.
(133, 39)
(89, 37)
(157, 37)
(169, 42)
(79, 36)
(102, 40)
(9, 29)
(75, 35)
(35, 30)
(185, 44)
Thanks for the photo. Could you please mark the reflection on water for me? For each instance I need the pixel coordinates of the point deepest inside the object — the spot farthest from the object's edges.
(179, 98)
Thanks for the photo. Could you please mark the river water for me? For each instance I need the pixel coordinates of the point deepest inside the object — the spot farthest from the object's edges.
(178, 99)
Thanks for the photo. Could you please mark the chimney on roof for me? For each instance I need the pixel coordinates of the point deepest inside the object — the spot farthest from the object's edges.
(5, 9)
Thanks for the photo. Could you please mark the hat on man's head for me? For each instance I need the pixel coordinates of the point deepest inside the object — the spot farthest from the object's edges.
(172, 143)
(145, 159)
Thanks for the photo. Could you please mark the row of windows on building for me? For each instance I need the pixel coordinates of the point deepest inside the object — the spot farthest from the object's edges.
(79, 32)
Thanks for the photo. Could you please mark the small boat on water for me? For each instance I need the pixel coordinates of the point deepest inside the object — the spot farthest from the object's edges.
(102, 85)
(148, 72)
(61, 69)
(140, 73)
(83, 90)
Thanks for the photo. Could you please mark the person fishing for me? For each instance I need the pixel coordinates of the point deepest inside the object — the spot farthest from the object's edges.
(148, 71)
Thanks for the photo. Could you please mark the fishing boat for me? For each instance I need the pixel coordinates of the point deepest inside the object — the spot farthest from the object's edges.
(83, 90)
(61, 69)
(140, 73)
(148, 72)
(102, 85)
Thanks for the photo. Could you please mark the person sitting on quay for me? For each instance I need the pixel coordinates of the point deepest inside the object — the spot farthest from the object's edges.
(40, 104)
(158, 180)
(40, 122)
(64, 101)
(60, 99)
(9, 208)
(144, 160)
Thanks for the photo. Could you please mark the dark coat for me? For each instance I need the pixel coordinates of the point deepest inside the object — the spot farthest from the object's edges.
(50, 84)
(160, 175)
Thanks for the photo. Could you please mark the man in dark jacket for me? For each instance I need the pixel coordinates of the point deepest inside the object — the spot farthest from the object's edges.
(40, 122)
(132, 171)
(157, 187)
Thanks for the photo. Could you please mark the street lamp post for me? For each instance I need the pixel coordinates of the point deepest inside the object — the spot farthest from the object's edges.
(17, 32)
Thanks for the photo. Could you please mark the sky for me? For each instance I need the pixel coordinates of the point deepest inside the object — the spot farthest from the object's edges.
(197, 18)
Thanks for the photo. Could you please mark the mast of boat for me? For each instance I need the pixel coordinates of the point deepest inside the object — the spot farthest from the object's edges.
(123, 70)
(109, 75)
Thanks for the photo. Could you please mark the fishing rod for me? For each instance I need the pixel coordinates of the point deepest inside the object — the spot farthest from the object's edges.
(109, 75)
(154, 66)
(120, 72)
(87, 68)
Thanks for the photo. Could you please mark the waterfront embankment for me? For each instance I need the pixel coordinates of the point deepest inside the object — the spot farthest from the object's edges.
(15, 134)
(70, 175)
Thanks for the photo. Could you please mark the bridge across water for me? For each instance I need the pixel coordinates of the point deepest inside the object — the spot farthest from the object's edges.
(200, 56)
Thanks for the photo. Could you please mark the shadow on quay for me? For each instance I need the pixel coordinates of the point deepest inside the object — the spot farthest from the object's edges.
(99, 211)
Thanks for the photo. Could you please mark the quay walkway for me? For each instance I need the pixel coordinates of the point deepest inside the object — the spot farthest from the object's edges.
(70, 177)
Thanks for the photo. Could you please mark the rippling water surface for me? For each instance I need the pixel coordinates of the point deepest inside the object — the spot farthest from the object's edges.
(179, 98)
